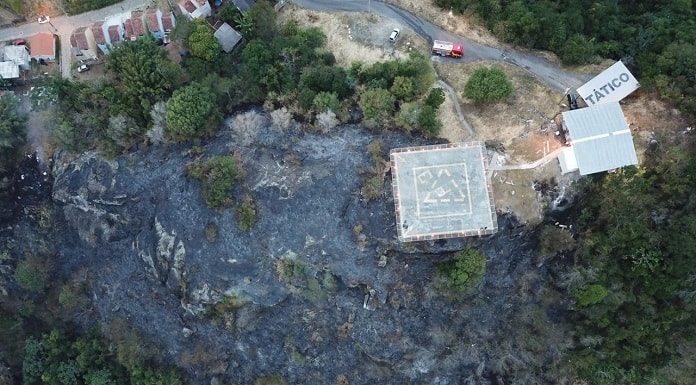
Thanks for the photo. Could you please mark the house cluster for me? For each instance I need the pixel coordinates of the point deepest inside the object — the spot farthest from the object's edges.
(15, 58)
(87, 41)
(224, 33)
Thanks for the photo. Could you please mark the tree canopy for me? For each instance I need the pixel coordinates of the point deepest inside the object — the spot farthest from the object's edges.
(488, 85)
(192, 112)
(143, 76)
(202, 42)
(12, 128)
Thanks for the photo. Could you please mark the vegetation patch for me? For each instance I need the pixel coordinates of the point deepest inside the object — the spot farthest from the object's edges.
(73, 7)
(487, 85)
(217, 176)
(304, 279)
(464, 272)
(246, 213)
(373, 184)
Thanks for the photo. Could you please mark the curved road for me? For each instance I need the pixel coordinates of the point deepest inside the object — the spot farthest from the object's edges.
(544, 70)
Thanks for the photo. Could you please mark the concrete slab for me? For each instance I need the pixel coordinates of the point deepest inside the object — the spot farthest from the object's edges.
(442, 191)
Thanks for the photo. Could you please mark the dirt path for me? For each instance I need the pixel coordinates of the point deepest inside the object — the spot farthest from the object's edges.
(525, 166)
(453, 95)
(546, 71)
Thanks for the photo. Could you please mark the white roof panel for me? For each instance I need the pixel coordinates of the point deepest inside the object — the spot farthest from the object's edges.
(596, 120)
(611, 85)
(9, 70)
(613, 151)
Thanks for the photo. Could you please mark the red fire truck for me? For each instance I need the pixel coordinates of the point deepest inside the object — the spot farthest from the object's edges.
(445, 48)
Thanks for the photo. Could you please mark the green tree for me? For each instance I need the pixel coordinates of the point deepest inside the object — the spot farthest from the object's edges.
(407, 118)
(576, 50)
(12, 128)
(487, 85)
(402, 88)
(377, 104)
(143, 77)
(428, 122)
(465, 271)
(435, 98)
(192, 112)
(202, 43)
(326, 101)
(261, 19)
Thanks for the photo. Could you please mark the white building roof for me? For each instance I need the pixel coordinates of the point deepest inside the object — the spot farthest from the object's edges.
(17, 54)
(600, 138)
(9, 70)
(611, 85)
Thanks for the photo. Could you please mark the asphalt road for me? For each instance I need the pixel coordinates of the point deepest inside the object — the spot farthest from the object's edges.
(64, 25)
(544, 70)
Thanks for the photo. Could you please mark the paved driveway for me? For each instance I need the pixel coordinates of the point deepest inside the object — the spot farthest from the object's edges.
(64, 25)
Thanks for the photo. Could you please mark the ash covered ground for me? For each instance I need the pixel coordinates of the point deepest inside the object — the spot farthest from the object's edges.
(319, 291)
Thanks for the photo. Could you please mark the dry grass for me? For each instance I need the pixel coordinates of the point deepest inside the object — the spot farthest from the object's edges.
(513, 191)
(648, 116)
(452, 127)
(467, 24)
(357, 36)
(514, 122)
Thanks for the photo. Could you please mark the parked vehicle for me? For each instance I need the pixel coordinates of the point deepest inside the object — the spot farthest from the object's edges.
(394, 34)
(44, 19)
(83, 68)
(445, 48)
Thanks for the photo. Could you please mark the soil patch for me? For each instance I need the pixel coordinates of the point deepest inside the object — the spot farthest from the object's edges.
(358, 36)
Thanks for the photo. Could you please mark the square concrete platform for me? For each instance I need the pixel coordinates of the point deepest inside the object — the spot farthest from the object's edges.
(442, 191)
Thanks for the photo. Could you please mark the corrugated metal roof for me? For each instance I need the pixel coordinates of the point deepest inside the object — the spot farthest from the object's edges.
(595, 120)
(228, 37)
(606, 153)
(611, 85)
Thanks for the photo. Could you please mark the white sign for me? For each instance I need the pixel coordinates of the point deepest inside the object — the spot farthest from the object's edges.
(612, 85)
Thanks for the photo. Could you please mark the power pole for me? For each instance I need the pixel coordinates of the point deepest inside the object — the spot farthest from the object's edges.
(369, 6)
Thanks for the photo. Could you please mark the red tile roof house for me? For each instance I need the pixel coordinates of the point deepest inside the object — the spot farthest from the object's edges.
(128, 25)
(154, 23)
(168, 22)
(100, 37)
(138, 26)
(83, 44)
(194, 9)
(115, 34)
(42, 46)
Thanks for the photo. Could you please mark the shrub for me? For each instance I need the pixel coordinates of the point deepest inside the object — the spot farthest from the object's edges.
(270, 380)
(407, 118)
(590, 295)
(428, 122)
(32, 274)
(377, 104)
(435, 98)
(402, 88)
(211, 232)
(553, 239)
(218, 175)
(246, 213)
(488, 85)
(326, 101)
(465, 271)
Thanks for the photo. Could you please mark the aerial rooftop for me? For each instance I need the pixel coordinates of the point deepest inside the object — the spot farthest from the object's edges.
(600, 140)
(441, 191)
